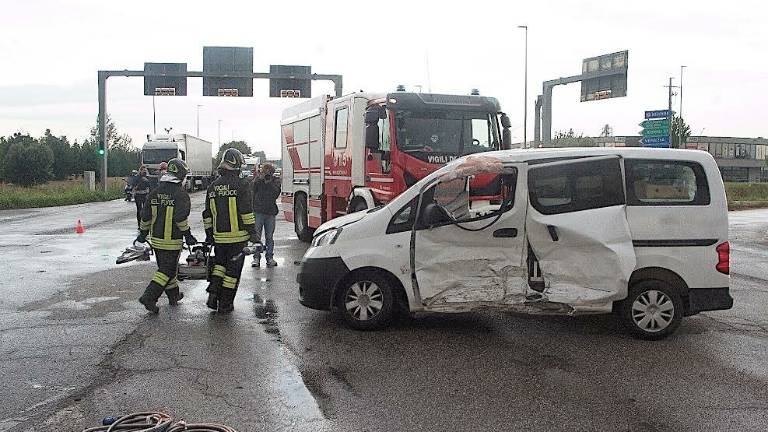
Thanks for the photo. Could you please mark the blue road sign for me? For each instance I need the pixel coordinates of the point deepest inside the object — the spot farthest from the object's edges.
(655, 142)
(658, 114)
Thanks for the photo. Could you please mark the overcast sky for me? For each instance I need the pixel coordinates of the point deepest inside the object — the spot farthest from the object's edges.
(50, 52)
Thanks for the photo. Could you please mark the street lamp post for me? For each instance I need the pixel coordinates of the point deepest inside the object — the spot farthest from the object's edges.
(681, 107)
(198, 120)
(525, 93)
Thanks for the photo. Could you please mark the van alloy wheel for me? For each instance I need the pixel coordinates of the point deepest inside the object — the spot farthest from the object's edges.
(364, 300)
(653, 311)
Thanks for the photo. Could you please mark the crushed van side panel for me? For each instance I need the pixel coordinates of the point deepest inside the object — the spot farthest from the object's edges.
(590, 264)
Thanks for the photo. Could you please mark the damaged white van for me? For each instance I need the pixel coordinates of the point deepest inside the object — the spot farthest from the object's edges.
(642, 233)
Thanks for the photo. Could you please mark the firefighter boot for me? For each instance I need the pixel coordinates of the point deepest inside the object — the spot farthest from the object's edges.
(150, 296)
(226, 301)
(214, 290)
(174, 295)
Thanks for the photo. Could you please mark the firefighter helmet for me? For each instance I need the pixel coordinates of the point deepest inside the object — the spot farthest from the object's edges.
(232, 160)
(178, 168)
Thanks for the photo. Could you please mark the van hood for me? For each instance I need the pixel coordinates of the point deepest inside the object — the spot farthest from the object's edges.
(341, 221)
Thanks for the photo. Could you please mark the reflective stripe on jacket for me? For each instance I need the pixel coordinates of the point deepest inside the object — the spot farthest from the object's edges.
(164, 216)
(228, 210)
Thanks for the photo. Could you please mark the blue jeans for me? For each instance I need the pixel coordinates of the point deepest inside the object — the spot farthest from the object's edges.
(266, 222)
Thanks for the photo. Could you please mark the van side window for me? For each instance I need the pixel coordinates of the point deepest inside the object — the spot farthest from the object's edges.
(577, 186)
(341, 128)
(665, 182)
(403, 218)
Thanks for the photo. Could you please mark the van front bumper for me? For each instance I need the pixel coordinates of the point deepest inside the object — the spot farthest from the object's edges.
(317, 280)
(708, 299)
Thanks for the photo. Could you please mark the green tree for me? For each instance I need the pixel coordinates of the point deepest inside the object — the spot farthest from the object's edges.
(122, 156)
(240, 145)
(606, 131)
(29, 163)
(680, 132)
(571, 139)
(63, 155)
(3, 150)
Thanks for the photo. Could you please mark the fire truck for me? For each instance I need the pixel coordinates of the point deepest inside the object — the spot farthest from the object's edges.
(361, 150)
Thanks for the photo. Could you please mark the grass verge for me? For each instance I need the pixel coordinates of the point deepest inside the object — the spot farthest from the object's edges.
(56, 193)
(743, 196)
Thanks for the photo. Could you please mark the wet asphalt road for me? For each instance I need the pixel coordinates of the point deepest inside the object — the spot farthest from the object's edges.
(75, 346)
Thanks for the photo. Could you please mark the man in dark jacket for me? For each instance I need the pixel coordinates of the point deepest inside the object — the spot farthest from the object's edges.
(229, 224)
(266, 190)
(140, 191)
(164, 220)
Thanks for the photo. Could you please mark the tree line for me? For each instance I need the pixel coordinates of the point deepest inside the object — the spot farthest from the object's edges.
(27, 160)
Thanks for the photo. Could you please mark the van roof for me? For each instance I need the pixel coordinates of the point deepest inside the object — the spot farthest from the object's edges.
(526, 155)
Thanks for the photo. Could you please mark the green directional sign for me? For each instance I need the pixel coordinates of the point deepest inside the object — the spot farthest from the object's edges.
(651, 133)
(655, 124)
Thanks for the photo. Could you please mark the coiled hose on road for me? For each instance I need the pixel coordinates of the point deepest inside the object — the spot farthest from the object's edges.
(155, 422)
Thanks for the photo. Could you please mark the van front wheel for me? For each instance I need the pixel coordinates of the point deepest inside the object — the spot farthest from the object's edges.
(653, 310)
(366, 301)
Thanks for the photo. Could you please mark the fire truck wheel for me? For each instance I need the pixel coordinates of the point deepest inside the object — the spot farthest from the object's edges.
(300, 223)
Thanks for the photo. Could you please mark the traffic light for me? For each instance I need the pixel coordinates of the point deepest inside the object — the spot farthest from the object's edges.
(101, 148)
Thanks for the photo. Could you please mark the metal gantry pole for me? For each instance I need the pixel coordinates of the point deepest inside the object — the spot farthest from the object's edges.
(525, 92)
(102, 125)
(198, 121)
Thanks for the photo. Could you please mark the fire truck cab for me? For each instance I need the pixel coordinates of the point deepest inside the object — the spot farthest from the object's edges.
(361, 150)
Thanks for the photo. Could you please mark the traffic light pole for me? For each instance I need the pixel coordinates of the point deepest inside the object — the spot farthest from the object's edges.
(102, 126)
(104, 75)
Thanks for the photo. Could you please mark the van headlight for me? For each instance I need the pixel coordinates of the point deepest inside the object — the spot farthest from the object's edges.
(326, 238)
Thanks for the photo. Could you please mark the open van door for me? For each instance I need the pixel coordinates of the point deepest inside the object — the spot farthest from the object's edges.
(464, 257)
(577, 228)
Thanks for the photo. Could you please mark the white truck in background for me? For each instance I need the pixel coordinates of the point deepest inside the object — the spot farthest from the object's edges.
(251, 163)
(196, 152)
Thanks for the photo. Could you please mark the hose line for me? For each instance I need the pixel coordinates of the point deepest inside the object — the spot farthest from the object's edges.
(155, 422)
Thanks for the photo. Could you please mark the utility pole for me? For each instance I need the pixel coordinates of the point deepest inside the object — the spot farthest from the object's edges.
(680, 114)
(525, 93)
(219, 133)
(669, 107)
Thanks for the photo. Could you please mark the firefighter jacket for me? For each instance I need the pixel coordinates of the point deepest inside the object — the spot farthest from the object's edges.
(228, 216)
(141, 186)
(164, 216)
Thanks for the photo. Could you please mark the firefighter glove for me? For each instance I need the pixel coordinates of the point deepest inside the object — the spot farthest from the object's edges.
(190, 239)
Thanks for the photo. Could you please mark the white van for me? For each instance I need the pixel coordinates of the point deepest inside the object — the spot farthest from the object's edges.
(639, 232)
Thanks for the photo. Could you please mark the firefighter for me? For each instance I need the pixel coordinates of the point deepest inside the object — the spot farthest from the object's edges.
(229, 224)
(164, 219)
(140, 191)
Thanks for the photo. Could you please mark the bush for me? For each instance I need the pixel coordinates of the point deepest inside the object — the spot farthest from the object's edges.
(28, 164)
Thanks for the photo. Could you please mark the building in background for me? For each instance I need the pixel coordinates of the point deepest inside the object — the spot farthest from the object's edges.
(739, 159)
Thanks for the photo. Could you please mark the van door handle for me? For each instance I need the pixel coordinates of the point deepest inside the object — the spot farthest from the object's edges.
(553, 232)
(505, 232)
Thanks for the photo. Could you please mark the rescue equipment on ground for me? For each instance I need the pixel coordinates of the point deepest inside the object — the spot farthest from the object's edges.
(155, 422)
(135, 252)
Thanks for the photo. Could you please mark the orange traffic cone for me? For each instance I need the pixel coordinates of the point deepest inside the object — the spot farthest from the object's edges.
(79, 228)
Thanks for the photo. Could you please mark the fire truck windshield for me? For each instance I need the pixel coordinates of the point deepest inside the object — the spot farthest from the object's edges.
(439, 136)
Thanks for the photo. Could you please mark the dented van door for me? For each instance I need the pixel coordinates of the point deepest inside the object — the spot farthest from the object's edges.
(578, 230)
(474, 256)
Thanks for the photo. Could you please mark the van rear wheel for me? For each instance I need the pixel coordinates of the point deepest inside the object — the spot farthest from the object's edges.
(366, 301)
(652, 310)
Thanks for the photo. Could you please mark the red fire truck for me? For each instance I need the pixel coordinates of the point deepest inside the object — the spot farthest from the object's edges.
(360, 150)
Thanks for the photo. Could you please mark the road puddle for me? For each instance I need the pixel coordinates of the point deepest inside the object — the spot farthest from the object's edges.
(266, 311)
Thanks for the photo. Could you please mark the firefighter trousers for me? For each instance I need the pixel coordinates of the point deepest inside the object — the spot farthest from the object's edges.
(164, 278)
(225, 276)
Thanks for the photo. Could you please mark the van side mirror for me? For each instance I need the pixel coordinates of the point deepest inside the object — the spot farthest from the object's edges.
(435, 214)
(506, 134)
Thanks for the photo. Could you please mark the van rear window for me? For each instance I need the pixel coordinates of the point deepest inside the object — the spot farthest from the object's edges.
(664, 183)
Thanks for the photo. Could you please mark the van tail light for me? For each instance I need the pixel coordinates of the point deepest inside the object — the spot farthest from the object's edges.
(723, 258)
